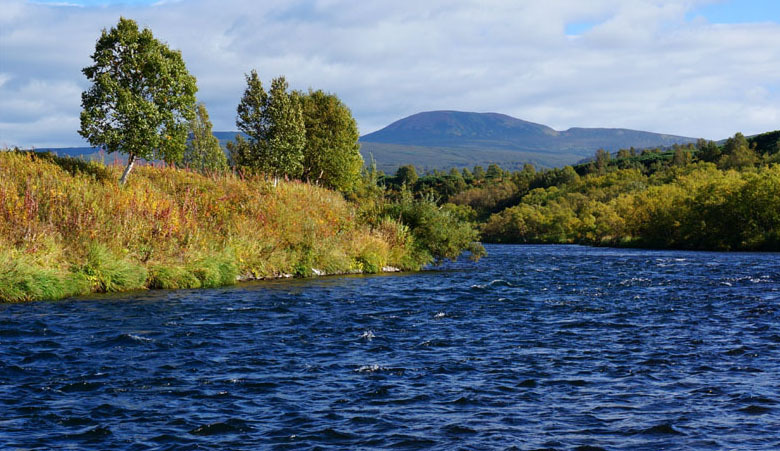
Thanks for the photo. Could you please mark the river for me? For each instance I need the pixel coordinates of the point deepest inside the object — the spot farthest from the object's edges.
(533, 347)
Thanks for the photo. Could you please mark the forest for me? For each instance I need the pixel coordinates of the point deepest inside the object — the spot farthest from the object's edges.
(705, 196)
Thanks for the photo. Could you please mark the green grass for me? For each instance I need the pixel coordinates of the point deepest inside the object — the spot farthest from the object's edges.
(106, 272)
(21, 279)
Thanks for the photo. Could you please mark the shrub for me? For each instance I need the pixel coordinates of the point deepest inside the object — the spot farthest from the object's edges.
(214, 271)
(440, 232)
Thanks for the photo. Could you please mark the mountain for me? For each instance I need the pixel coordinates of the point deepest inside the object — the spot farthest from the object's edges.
(225, 137)
(444, 139)
(459, 129)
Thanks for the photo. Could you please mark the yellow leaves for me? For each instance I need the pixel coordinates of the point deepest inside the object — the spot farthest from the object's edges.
(166, 214)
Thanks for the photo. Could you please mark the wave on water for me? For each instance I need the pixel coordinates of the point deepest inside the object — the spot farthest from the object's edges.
(127, 339)
(370, 369)
(494, 283)
(231, 426)
(660, 429)
(608, 350)
(374, 368)
(139, 338)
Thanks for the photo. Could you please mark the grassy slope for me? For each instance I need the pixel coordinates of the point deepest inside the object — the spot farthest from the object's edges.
(67, 228)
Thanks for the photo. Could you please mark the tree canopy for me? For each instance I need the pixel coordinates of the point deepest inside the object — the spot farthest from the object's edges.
(332, 153)
(141, 98)
(406, 175)
(250, 120)
(203, 152)
(273, 122)
(286, 131)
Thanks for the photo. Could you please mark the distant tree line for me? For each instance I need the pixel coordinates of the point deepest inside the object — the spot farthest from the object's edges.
(697, 196)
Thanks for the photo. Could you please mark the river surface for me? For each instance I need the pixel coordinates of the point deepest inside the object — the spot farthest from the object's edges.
(533, 347)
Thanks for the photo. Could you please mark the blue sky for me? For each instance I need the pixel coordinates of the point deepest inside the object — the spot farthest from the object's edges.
(733, 11)
(739, 11)
(719, 12)
(688, 67)
(98, 3)
(724, 11)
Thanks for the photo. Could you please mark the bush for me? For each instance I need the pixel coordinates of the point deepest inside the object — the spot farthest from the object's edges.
(373, 254)
(214, 271)
(440, 232)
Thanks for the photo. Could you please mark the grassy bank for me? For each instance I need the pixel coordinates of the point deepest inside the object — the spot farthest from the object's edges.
(67, 228)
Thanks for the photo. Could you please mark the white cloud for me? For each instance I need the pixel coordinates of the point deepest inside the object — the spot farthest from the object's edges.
(642, 65)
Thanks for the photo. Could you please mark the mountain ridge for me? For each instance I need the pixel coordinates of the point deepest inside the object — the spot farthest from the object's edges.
(484, 134)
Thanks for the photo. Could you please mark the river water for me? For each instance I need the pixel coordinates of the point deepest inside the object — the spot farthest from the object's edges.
(551, 347)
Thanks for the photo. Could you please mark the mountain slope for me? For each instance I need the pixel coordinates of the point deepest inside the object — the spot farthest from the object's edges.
(460, 129)
(441, 139)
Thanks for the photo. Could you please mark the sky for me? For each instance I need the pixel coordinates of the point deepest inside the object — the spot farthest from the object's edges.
(699, 68)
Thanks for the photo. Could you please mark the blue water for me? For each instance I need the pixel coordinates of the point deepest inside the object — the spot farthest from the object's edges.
(554, 347)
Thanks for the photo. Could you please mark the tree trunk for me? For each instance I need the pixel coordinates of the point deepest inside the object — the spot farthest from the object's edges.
(129, 168)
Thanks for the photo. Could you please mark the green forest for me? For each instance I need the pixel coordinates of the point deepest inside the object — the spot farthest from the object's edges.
(705, 196)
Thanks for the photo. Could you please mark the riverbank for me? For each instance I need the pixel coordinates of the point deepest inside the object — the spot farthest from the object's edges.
(67, 228)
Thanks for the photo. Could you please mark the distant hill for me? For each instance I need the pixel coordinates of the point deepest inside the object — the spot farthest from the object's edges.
(389, 157)
(768, 142)
(88, 153)
(444, 139)
(225, 137)
(93, 153)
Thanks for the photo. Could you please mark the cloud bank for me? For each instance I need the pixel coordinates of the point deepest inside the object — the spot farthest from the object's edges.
(647, 64)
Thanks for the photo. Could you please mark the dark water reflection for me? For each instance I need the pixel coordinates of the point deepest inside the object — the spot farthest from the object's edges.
(557, 347)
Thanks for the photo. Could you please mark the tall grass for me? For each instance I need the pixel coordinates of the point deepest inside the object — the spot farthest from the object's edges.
(67, 228)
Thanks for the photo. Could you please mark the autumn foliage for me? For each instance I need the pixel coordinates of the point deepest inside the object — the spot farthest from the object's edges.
(65, 224)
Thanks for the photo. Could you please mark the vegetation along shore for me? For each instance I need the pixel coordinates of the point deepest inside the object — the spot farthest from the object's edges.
(68, 228)
(701, 196)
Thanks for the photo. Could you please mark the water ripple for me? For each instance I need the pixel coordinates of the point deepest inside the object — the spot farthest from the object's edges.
(534, 347)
